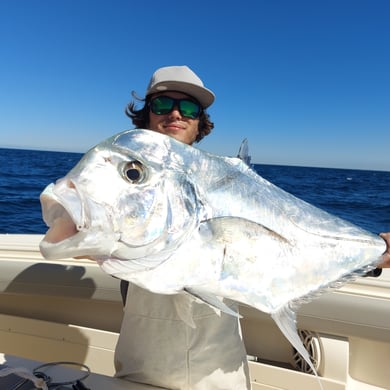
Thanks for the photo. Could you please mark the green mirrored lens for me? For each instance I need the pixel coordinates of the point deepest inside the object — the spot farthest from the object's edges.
(189, 108)
(162, 105)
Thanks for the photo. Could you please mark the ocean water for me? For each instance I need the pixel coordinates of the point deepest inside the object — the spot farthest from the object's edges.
(361, 197)
(23, 176)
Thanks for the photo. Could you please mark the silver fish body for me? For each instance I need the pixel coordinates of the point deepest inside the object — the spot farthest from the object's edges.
(174, 219)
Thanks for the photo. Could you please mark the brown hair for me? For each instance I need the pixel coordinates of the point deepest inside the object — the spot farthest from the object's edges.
(140, 117)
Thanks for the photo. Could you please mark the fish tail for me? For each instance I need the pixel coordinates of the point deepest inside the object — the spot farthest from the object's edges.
(285, 318)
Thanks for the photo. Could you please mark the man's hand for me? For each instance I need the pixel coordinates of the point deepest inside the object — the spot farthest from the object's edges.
(386, 256)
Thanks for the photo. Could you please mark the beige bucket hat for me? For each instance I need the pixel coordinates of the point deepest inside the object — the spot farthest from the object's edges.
(181, 79)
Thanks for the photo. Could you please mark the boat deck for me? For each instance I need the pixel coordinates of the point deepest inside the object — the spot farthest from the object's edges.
(70, 310)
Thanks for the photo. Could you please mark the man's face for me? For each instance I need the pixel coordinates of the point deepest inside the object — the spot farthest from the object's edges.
(174, 124)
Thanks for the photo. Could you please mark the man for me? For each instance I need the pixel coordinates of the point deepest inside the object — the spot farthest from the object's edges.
(155, 345)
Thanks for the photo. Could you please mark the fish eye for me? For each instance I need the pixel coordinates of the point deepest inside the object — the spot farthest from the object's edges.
(134, 172)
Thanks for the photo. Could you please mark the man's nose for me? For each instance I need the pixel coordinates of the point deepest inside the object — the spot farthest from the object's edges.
(175, 113)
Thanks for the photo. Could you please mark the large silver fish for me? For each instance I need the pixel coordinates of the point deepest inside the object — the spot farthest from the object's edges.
(173, 219)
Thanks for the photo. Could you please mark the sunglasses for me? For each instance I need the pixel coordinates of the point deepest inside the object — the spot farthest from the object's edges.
(162, 105)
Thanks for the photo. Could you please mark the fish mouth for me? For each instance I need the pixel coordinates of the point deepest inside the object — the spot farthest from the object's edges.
(64, 217)
(62, 211)
(61, 227)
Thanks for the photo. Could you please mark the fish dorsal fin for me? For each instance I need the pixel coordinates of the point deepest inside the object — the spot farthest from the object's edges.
(285, 318)
(243, 152)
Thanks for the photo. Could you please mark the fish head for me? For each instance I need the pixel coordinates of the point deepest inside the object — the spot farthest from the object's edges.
(127, 198)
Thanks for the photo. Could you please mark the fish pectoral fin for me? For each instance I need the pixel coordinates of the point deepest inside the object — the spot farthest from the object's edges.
(234, 229)
(213, 301)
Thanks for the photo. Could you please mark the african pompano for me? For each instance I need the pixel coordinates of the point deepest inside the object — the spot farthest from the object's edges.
(174, 219)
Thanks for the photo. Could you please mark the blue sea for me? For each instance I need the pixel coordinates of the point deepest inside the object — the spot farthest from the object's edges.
(359, 196)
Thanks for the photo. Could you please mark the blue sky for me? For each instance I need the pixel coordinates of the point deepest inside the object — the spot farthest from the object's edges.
(307, 82)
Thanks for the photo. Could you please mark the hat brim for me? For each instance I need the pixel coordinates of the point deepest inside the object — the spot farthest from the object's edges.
(203, 95)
